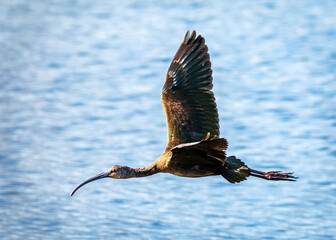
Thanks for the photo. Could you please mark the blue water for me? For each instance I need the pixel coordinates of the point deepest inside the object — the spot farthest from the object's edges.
(80, 85)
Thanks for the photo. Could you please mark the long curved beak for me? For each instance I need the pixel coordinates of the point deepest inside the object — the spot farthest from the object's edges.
(99, 176)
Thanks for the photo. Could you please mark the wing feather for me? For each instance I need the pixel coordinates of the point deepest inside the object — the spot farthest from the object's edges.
(203, 153)
(187, 99)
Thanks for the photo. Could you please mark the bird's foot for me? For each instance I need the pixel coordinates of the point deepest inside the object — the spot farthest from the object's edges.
(273, 175)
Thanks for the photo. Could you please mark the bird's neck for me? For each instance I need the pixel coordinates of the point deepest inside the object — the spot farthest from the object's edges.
(144, 172)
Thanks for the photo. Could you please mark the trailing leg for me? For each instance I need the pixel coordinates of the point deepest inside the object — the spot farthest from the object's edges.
(273, 175)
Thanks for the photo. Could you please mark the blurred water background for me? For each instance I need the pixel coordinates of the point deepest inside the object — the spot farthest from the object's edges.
(80, 85)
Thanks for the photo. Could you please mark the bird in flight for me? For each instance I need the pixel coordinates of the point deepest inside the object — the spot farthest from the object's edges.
(194, 147)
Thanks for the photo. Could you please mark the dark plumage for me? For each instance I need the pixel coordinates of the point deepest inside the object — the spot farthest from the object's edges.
(194, 148)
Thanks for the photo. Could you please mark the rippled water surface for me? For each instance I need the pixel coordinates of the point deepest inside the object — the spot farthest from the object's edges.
(80, 85)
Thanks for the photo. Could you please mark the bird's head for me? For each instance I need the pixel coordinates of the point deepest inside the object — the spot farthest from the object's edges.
(119, 172)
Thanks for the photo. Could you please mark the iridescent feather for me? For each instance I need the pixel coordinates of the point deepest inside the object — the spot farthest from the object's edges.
(187, 99)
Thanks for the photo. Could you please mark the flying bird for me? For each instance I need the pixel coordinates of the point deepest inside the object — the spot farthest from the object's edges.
(194, 147)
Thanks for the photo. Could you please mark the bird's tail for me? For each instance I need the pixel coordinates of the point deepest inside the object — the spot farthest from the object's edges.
(237, 171)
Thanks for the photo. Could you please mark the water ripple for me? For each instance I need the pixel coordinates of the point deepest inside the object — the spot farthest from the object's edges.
(80, 82)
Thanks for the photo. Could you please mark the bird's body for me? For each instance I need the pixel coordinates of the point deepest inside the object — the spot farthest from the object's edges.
(194, 148)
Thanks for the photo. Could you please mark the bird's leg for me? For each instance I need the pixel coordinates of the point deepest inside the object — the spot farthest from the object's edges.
(273, 175)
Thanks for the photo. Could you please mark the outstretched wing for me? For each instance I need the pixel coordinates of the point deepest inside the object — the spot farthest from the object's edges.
(187, 99)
